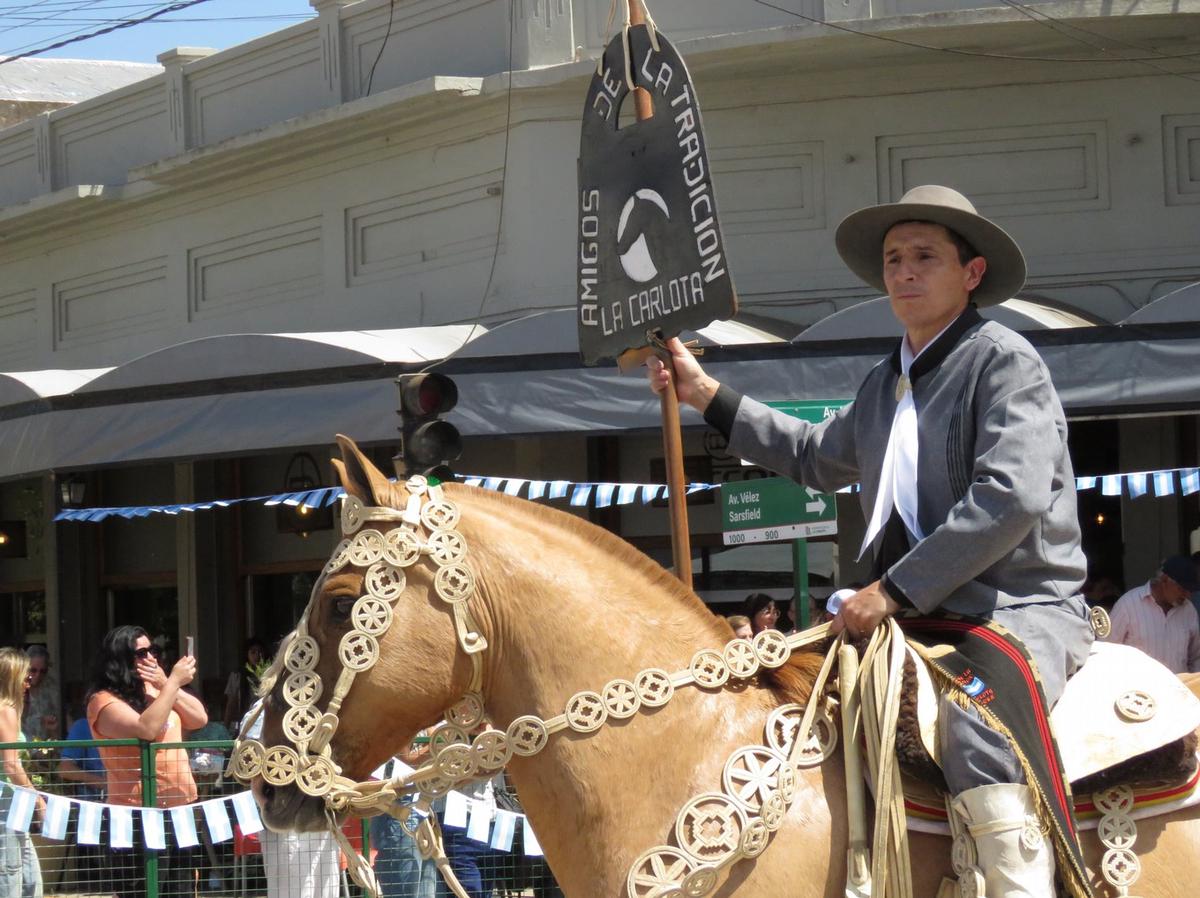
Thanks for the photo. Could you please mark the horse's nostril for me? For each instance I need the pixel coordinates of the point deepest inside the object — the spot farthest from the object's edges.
(268, 791)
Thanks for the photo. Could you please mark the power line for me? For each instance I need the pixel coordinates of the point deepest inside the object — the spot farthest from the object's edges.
(78, 6)
(277, 17)
(1058, 26)
(116, 26)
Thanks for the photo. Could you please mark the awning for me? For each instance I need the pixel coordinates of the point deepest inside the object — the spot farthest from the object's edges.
(1178, 306)
(874, 318)
(520, 384)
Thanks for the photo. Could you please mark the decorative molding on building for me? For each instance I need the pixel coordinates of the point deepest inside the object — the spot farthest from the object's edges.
(43, 142)
(1181, 158)
(100, 144)
(1033, 169)
(436, 227)
(246, 271)
(544, 11)
(110, 303)
(249, 86)
(420, 32)
(18, 328)
(770, 188)
(20, 175)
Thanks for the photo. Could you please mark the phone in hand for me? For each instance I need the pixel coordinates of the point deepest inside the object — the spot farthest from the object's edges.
(191, 646)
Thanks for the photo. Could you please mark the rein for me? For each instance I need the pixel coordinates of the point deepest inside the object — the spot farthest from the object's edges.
(712, 831)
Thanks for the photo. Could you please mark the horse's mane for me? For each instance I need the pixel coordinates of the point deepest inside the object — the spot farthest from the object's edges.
(792, 682)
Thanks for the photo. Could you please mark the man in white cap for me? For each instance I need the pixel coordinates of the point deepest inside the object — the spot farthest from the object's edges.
(960, 443)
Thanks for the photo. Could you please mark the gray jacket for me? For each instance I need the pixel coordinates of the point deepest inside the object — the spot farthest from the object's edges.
(996, 492)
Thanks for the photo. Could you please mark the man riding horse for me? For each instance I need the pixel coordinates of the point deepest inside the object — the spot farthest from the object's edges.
(960, 443)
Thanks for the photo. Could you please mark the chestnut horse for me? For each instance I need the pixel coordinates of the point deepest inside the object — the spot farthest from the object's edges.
(566, 606)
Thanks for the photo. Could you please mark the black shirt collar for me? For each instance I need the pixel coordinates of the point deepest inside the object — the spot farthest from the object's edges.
(939, 348)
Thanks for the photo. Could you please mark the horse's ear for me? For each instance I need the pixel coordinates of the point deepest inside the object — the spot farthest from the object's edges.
(359, 477)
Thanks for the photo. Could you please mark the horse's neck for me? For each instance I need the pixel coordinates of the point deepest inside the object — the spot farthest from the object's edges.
(562, 616)
(559, 627)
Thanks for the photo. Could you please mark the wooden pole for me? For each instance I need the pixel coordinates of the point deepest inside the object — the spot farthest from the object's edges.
(681, 547)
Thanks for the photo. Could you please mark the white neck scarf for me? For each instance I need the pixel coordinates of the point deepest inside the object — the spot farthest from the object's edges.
(898, 476)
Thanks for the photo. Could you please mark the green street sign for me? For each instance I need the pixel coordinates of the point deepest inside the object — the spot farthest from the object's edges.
(774, 508)
(812, 410)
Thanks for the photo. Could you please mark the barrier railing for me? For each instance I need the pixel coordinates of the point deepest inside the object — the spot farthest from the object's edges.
(127, 829)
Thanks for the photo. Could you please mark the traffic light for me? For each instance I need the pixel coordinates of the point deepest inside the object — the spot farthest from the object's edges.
(427, 443)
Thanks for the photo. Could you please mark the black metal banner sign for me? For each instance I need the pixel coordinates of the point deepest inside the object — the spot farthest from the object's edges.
(651, 254)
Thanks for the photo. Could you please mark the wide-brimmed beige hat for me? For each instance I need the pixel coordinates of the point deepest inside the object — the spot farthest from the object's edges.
(860, 239)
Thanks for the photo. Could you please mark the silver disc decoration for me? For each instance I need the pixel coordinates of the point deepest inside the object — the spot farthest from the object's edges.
(385, 581)
(447, 547)
(401, 547)
(367, 548)
(302, 654)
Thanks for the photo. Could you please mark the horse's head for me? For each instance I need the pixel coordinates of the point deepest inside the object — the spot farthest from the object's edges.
(377, 656)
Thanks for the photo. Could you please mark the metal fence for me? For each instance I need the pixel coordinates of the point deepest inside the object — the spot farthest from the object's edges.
(93, 836)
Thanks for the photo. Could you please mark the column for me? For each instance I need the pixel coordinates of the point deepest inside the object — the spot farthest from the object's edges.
(542, 33)
(329, 32)
(178, 109)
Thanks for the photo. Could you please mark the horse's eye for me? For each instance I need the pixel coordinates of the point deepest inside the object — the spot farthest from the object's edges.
(342, 606)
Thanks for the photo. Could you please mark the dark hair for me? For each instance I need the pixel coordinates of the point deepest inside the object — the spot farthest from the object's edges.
(114, 668)
(757, 601)
(253, 642)
(966, 252)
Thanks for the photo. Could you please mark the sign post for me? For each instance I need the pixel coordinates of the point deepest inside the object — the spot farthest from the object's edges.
(773, 509)
(651, 259)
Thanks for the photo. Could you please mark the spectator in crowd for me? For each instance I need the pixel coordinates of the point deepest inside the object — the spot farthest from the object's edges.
(297, 865)
(1101, 590)
(765, 613)
(40, 720)
(1159, 618)
(474, 863)
(1196, 593)
(132, 698)
(82, 771)
(20, 873)
(241, 689)
(741, 626)
(399, 868)
(81, 764)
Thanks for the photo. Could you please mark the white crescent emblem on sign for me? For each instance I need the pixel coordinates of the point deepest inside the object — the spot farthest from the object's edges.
(636, 260)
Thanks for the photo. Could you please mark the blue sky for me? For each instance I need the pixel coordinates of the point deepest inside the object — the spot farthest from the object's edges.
(27, 24)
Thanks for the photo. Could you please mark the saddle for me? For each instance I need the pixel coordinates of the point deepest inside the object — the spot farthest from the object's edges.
(1123, 719)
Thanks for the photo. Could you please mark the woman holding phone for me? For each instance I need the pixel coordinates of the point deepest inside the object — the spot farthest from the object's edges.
(131, 697)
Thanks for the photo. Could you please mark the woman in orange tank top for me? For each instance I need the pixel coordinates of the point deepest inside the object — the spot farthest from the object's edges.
(131, 697)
